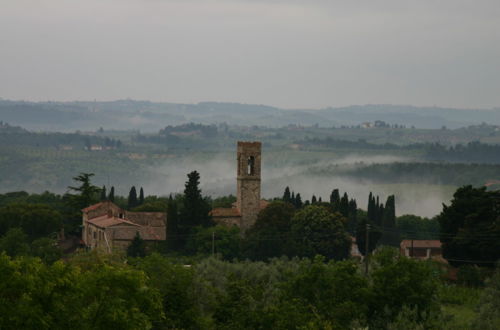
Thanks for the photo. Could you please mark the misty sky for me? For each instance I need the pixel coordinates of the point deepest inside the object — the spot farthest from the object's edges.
(293, 54)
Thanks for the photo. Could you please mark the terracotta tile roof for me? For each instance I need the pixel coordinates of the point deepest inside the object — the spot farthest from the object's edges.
(417, 243)
(93, 207)
(105, 221)
(147, 233)
(225, 212)
(154, 219)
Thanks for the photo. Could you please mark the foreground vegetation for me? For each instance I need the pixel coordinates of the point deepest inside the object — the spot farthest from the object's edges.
(94, 291)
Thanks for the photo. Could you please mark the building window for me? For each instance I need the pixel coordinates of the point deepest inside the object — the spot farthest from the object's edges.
(251, 165)
(95, 236)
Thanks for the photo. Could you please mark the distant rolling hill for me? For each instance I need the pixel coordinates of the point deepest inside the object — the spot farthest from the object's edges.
(151, 116)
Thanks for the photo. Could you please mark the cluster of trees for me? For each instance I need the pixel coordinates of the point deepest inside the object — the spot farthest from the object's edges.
(16, 136)
(411, 172)
(343, 205)
(181, 136)
(281, 229)
(472, 152)
(94, 291)
(207, 131)
(133, 201)
(83, 293)
(470, 227)
(411, 226)
(6, 128)
(30, 224)
(380, 222)
(105, 142)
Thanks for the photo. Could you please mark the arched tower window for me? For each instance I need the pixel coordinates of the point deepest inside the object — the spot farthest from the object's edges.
(251, 165)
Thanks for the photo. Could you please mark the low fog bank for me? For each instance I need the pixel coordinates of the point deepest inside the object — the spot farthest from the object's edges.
(218, 177)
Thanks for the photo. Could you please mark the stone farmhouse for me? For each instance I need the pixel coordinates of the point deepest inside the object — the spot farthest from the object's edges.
(248, 204)
(108, 227)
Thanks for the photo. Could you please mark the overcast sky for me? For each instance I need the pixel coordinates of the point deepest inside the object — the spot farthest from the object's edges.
(292, 54)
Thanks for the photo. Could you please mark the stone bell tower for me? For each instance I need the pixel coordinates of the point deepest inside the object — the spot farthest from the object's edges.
(248, 194)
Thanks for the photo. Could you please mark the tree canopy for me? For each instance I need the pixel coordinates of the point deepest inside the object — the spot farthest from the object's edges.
(470, 227)
(316, 230)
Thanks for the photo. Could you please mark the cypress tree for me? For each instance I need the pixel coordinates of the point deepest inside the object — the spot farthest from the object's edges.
(141, 197)
(389, 220)
(380, 215)
(298, 201)
(319, 199)
(111, 196)
(313, 200)
(137, 248)
(132, 198)
(196, 208)
(293, 199)
(390, 236)
(286, 195)
(373, 237)
(353, 216)
(371, 208)
(103, 193)
(344, 205)
(335, 199)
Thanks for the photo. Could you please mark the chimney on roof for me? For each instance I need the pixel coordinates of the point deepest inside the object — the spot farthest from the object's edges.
(110, 213)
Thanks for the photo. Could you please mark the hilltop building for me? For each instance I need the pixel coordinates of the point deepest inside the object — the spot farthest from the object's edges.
(108, 227)
(248, 203)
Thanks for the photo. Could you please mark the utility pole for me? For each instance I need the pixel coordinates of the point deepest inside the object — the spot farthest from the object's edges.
(367, 238)
(411, 254)
(213, 243)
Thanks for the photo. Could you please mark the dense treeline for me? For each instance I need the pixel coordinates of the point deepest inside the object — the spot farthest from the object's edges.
(416, 172)
(206, 131)
(57, 140)
(95, 291)
(472, 152)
